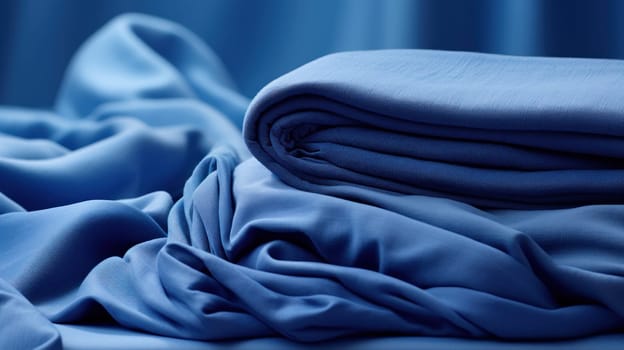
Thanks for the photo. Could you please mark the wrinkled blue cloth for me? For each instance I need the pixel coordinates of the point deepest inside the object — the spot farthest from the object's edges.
(135, 202)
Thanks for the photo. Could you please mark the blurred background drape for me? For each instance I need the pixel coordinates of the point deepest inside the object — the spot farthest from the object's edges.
(260, 40)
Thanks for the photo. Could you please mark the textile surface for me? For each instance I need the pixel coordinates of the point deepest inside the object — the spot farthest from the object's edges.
(383, 192)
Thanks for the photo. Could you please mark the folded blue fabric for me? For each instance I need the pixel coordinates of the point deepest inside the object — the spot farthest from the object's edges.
(403, 192)
(490, 130)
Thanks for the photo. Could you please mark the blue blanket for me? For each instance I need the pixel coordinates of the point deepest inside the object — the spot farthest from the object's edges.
(403, 192)
(494, 131)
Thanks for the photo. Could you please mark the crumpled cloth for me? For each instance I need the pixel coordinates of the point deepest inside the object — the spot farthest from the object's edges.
(135, 201)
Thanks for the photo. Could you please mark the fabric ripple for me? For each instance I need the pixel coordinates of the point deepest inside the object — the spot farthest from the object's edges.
(402, 192)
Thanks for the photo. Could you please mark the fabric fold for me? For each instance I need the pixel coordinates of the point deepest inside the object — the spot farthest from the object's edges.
(23, 326)
(142, 57)
(142, 102)
(489, 130)
(446, 194)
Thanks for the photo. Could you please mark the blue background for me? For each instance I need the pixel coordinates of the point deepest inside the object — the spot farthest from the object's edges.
(260, 40)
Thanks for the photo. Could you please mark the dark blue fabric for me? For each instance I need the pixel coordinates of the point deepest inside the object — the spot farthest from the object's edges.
(460, 195)
(259, 41)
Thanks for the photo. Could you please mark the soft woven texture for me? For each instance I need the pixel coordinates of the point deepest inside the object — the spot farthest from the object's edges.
(494, 131)
(400, 192)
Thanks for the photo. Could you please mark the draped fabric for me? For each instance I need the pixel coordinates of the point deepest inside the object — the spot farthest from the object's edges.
(390, 192)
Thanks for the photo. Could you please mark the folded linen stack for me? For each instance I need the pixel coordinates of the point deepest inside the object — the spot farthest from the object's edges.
(531, 147)
(404, 192)
(495, 131)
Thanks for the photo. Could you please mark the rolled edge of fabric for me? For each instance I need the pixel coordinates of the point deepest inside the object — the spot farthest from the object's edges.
(489, 130)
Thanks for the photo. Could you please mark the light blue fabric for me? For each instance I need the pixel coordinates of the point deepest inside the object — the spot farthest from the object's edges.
(23, 327)
(106, 338)
(135, 201)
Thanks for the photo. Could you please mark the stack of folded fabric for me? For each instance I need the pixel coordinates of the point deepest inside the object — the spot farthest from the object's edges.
(388, 192)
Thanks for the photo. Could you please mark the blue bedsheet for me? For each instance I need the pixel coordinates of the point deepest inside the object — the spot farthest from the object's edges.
(391, 192)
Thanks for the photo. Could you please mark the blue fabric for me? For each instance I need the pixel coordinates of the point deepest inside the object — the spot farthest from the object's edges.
(259, 41)
(459, 195)
(489, 130)
(23, 327)
(106, 338)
